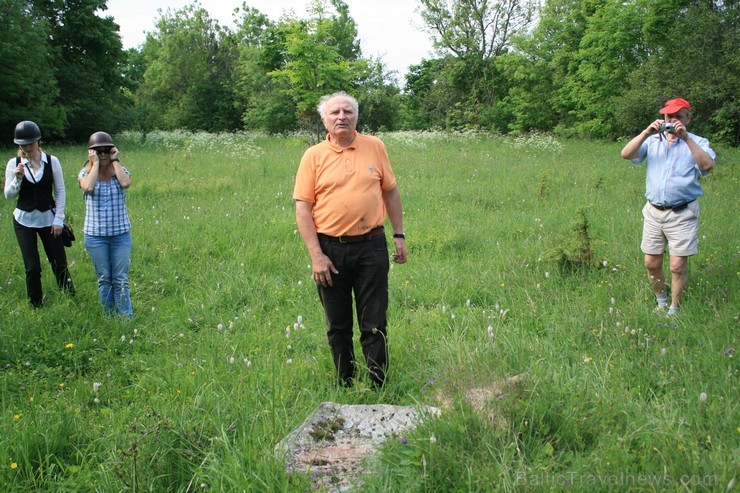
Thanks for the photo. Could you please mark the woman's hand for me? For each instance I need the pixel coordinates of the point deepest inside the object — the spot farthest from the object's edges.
(114, 155)
(56, 231)
(93, 157)
(18, 171)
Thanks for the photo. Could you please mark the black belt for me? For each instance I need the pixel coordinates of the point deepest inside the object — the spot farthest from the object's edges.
(674, 208)
(355, 239)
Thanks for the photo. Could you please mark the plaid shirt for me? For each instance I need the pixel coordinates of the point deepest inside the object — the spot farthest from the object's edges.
(105, 208)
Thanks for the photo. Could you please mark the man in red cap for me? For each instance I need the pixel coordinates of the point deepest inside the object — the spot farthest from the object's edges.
(675, 159)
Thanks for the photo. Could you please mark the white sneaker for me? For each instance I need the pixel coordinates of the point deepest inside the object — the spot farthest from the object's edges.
(673, 310)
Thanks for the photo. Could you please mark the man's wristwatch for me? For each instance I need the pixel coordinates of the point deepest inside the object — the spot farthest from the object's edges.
(400, 235)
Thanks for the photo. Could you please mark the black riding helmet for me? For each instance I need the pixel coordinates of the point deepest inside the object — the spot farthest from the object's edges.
(26, 132)
(99, 139)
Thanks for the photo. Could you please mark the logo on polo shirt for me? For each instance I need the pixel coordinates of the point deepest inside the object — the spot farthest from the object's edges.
(370, 169)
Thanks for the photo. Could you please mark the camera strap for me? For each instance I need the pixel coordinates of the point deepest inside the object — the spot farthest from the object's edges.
(30, 171)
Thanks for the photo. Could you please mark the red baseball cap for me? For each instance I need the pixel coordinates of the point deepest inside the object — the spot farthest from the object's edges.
(674, 106)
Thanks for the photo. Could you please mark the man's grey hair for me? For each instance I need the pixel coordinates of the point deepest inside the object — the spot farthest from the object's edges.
(322, 102)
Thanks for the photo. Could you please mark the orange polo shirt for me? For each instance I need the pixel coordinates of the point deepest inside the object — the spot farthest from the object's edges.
(345, 185)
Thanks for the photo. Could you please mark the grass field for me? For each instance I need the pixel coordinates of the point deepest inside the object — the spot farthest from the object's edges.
(523, 260)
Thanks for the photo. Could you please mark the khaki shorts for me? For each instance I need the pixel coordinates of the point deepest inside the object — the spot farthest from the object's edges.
(678, 230)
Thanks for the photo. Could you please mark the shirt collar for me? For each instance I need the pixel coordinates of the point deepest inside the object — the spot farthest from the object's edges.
(337, 148)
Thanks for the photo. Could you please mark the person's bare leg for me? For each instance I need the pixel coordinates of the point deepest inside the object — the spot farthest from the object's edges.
(679, 280)
(654, 266)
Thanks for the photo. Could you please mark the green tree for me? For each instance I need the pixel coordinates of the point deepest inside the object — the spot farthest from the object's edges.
(475, 28)
(697, 34)
(29, 87)
(316, 60)
(187, 81)
(471, 35)
(261, 50)
(88, 58)
(527, 103)
(554, 48)
(607, 54)
(425, 95)
(379, 100)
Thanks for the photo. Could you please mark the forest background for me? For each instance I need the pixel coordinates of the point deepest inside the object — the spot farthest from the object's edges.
(576, 68)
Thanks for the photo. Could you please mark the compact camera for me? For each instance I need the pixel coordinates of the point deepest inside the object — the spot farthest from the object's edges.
(667, 127)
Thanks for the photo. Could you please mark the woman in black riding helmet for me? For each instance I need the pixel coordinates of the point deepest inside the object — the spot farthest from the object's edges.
(35, 178)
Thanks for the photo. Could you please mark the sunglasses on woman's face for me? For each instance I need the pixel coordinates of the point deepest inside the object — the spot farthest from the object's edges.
(103, 150)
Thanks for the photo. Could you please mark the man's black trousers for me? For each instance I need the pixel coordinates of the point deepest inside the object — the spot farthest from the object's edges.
(363, 270)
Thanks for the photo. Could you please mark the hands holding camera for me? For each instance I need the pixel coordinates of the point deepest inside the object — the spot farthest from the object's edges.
(663, 127)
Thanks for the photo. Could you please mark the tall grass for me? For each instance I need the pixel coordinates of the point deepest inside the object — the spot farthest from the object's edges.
(227, 350)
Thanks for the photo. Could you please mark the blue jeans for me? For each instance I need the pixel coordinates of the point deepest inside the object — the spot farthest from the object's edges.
(111, 256)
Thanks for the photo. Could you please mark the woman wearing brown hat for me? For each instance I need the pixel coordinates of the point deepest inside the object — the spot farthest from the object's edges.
(107, 226)
(36, 179)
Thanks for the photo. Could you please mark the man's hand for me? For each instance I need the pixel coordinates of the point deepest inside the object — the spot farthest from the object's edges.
(680, 130)
(400, 256)
(632, 149)
(654, 127)
(323, 268)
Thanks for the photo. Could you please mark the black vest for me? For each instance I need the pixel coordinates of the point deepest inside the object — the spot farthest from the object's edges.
(37, 196)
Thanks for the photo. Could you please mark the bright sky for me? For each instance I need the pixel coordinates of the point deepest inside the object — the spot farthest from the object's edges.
(390, 29)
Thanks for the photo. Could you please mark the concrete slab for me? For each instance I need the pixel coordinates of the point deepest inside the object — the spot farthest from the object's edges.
(335, 442)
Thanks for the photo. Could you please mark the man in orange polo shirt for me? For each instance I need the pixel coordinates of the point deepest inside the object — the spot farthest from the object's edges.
(343, 189)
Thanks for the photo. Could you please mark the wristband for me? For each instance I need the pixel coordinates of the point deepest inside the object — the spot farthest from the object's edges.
(400, 235)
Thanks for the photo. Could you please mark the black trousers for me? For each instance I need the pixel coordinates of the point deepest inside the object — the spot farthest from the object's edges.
(363, 270)
(55, 253)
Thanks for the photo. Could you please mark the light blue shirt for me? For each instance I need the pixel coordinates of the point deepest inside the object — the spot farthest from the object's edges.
(672, 175)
